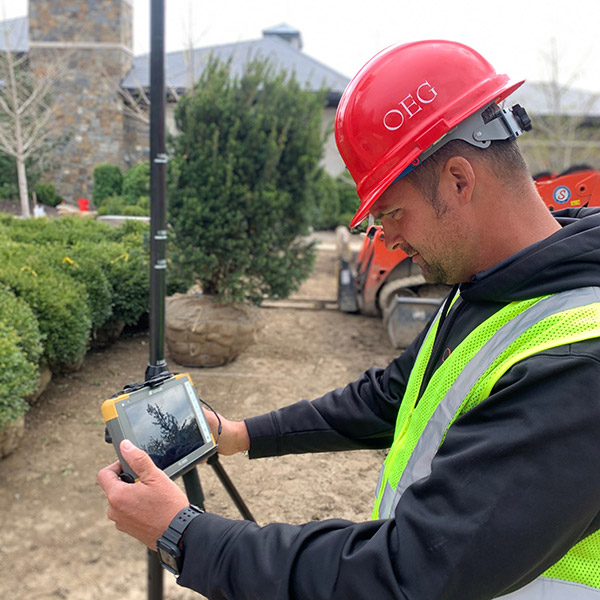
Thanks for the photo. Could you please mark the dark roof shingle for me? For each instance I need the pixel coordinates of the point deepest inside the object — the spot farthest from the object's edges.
(283, 56)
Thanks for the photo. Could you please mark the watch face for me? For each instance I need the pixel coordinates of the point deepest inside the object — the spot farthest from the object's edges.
(169, 555)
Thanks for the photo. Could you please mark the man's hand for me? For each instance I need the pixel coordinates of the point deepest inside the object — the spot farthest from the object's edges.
(234, 434)
(143, 509)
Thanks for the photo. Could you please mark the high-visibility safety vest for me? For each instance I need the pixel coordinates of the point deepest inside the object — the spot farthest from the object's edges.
(465, 378)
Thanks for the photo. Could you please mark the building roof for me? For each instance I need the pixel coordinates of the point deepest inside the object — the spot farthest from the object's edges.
(544, 99)
(287, 33)
(537, 98)
(14, 34)
(179, 66)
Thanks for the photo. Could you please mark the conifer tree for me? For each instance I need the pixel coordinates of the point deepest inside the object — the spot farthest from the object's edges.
(239, 199)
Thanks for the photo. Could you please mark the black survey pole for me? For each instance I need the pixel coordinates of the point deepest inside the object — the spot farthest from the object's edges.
(158, 229)
(158, 205)
(158, 267)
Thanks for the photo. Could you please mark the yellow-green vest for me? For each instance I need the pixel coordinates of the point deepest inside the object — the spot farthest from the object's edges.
(467, 377)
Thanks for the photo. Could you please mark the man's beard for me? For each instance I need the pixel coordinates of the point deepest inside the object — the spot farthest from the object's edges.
(432, 272)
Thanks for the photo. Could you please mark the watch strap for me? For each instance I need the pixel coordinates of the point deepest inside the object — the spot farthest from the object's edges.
(181, 521)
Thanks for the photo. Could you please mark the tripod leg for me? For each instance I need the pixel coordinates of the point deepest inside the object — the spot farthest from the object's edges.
(213, 461)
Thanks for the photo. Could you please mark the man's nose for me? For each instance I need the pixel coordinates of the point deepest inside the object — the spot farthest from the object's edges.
(391, 239)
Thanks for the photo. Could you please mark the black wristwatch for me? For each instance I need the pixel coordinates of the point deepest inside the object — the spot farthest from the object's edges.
(167, 545)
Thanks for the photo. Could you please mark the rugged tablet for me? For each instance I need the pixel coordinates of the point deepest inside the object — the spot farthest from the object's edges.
(164, 419)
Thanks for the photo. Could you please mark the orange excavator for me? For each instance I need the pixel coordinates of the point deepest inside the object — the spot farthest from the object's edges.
(384, 283)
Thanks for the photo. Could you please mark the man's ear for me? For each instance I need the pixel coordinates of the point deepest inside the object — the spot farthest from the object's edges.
(457, 179)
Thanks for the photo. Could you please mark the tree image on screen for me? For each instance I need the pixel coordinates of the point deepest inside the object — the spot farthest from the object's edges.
(174, 441)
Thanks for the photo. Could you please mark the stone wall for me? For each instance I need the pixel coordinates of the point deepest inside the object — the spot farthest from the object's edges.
(95, 37)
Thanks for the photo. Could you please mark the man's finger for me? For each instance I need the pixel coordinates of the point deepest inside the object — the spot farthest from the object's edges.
(138, 460)
(108, 475)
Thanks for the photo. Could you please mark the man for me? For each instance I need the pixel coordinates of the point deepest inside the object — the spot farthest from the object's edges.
(490, 487)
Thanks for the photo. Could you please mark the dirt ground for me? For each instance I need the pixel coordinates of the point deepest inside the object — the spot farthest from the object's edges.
(55, 540)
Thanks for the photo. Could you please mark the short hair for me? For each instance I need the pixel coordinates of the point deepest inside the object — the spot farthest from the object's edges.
(503, 157)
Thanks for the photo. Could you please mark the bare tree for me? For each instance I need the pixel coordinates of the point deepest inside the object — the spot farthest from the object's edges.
(135, 103)
(562, 132)
(27, 109)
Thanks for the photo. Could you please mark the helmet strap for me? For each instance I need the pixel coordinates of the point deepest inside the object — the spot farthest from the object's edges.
(506, 124)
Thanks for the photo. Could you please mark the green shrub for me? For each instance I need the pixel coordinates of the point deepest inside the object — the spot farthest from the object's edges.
(118, 205)
(108, 182)
(17, 314)
(125, 266)
(349, 200)
(111, 262)
(129, 274)
(334, 200)
(326, 201)
(46, 194)
(70, 230)
(113, 205)
(58, 302)
(136, 211)
(80, 263)
(18, 376)
(66, 230)
(8, 177)
(136, 183)
(238, 177)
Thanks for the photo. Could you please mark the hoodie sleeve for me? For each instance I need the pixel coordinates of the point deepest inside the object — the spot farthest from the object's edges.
(358, 416)
(512, 488)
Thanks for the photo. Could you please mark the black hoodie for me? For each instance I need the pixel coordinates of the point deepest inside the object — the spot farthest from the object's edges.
(514, 485)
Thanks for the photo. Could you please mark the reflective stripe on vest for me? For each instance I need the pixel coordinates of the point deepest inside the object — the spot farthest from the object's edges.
(544, 588)
(514, 333)
(419, 462)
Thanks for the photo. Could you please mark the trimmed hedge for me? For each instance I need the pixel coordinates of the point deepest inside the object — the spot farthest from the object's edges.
(79, 263)
(108, 182)
(17, 314)
(66, 230)
(76, 275)
(60, 281)
(20, 352)
(126, 267)
(118, 205)
(18, 376)
(58, 301)
(46, 194)
(136, 183)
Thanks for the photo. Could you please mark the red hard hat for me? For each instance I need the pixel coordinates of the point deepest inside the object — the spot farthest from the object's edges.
(404, 100)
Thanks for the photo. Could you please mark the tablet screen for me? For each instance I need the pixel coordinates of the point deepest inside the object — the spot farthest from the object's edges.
(165, 426)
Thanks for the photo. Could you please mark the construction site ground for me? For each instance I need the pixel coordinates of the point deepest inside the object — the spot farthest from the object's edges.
(55, 540)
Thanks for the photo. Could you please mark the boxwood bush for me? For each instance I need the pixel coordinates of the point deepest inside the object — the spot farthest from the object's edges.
(66, 230)
(71, 230)
(79, 263)
(118, 205)
(17, 314)
(127, 269)
(57, 300)
(136, 183)
(108, 182)
(76, 275)
(121, 253)
(46, 194)
(18, 376)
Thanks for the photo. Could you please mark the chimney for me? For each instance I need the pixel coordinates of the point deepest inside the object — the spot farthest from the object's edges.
(285, 32)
